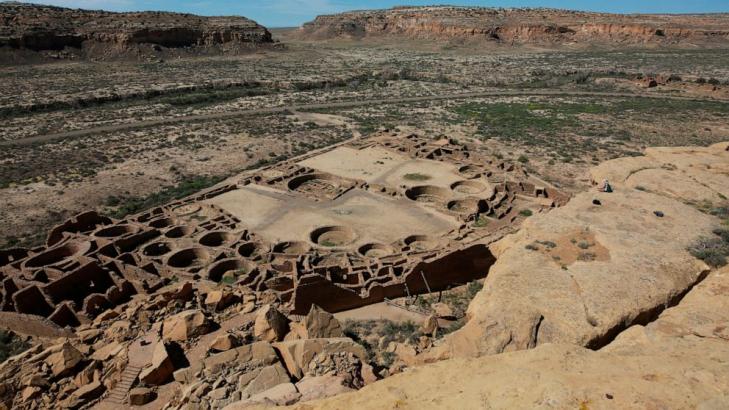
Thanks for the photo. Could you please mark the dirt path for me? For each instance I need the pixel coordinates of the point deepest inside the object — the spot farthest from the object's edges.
(339, 104)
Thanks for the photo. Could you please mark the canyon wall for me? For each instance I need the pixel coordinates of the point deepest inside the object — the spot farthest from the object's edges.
(99, 33)
(521, 26)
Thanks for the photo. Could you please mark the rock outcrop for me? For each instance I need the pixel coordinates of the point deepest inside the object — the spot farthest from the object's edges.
(686, 174)
(63, 360)
(593, 268)
(521, 26)
(271, 325)
(321, 324)
(161, 369)
(298, 355)
(678, 361)
(140, 396)
(185, 325)
(105, 34)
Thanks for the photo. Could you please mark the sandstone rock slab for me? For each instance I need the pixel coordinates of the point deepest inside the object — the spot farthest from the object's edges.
(270, 325)
(185, 325)
(161, 369)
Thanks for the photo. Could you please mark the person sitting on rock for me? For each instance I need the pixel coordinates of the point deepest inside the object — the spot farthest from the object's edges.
(605, 186)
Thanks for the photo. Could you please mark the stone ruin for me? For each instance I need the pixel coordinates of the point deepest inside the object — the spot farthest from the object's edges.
(351, 225)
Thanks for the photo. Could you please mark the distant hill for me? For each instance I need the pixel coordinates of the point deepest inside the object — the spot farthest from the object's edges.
(521, 26)
(70, 33)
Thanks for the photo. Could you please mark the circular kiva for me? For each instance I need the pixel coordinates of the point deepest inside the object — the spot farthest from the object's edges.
(421, 242)
(468, 187)
(251, 249)
(189, 258)
(115, 231)
(312, 180)
(333, 236)
(467, 206)
(470, 171)
(157, 249)
(375, 250)
(58, 254)
(186, 210)
(217, 238)
(231, 270)
(179, 231)
(427, 193)
(291, 248)
(161, 223)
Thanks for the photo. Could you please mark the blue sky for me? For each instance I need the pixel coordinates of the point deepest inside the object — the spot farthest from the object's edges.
(282, 13)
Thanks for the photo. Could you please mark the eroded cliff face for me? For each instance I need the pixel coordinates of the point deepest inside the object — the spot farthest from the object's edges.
(521, 26)
(44, 28)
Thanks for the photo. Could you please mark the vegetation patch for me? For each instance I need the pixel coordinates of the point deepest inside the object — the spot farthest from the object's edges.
(185, 188)
(11, 344)
(713, 250)
(526, 212)
(481, 222)
(417, 177)
(376, 335)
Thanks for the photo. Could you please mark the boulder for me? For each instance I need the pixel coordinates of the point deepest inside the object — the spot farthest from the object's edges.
(219, 299)
(91, 391)
(443, 311)
(270, 325)
(297, 330)
(105, 316)
(119, 330)
(89, 374)
(218, 394)
(161, 369)
(430, 325)
(281, 395)
(140, 396)
(404, 352)
(368, 374)
(319, 387)
(183, 293)
(30, 393)
(89, 335)
(36, 380)
(247, 307)
(320, 324)
(254, 355)
(267, 378)
(297, 354)
(224, 342)
(64, 360)
(185, 325)
(107, 351)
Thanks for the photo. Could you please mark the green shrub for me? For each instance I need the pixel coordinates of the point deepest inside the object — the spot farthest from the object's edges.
(473, 288)
(548, 244)
(416, 177)
(714, 251)
(583, 245)
(11, 344)
(185, 188)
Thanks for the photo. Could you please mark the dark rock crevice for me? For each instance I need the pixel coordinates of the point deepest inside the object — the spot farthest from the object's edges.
(643, 318)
